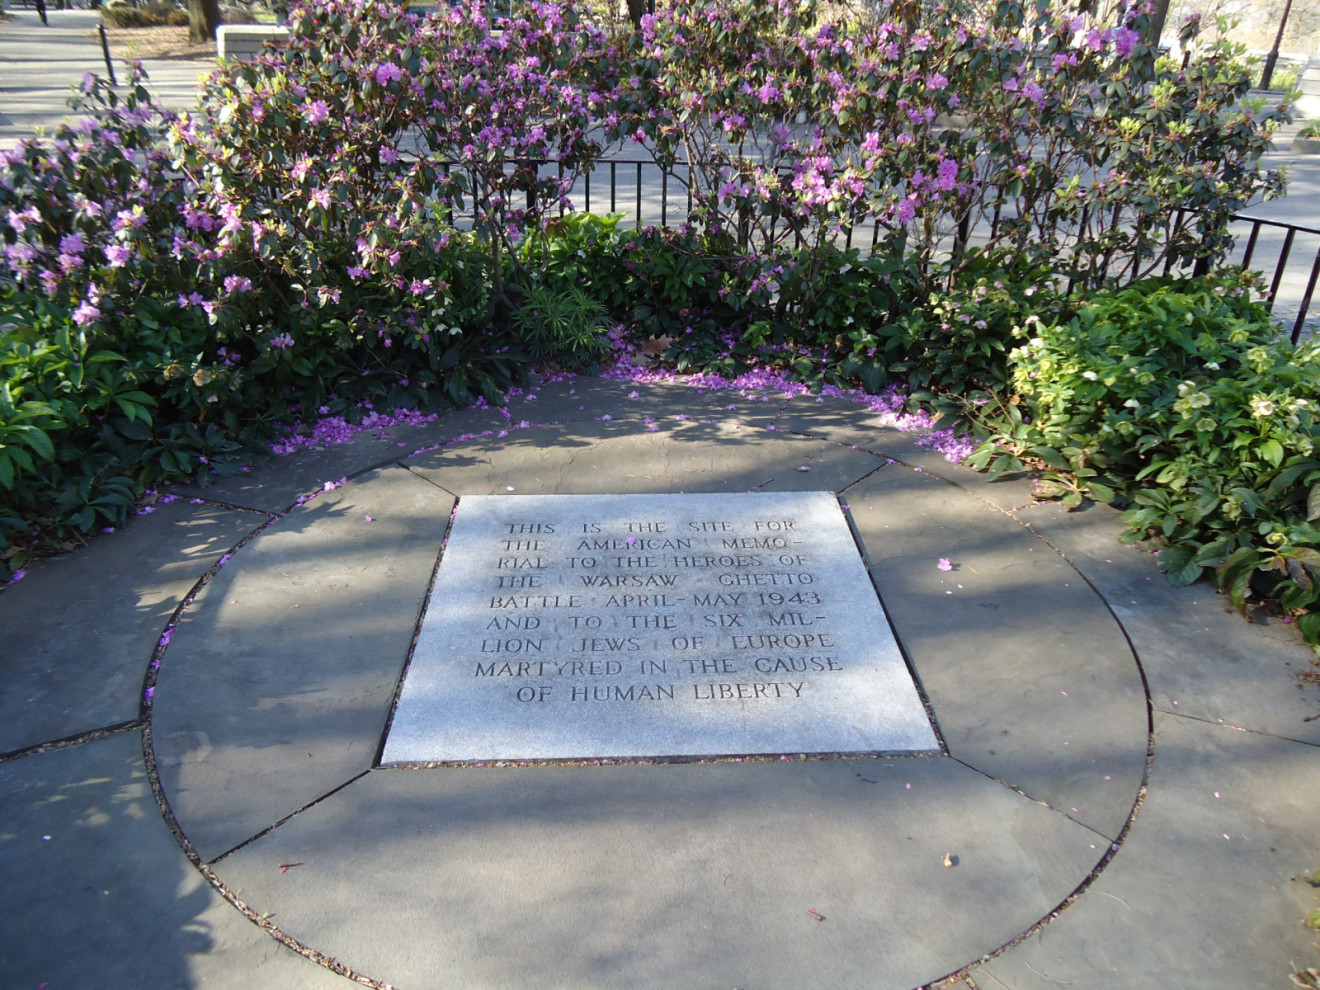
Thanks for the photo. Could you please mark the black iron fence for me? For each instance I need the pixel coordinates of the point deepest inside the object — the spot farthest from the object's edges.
(652, 195)
(1284, 265)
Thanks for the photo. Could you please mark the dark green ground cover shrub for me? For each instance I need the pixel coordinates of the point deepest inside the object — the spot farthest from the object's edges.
(1179, 401)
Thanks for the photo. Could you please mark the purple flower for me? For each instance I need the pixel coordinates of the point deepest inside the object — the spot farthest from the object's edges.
(118, 255)
(1125, 41)
(72, 244)
(948, 178)
(945, 564)
(317, 111)
(86, 313)
(387, 73)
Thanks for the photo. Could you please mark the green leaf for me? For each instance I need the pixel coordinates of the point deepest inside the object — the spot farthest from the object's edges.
(1099, 492)
(38, 441)
(1309, 626)
(1189, 573)
(1313, 503)
(1051, 457)
(1234, 575)
(1272, 451)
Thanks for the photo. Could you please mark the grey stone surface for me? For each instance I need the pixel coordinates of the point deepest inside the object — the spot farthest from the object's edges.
(1200, 893)
(275, 484)
(1031, 679)
(581, 399)
(697, 874)
(628, 457)
(1202, 659)
(853, 424)
(80, 628)
(580, 626)
(278, 681)
(98, 894)
(673, 875)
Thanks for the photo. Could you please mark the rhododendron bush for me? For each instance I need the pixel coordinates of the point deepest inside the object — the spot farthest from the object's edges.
(372, 214)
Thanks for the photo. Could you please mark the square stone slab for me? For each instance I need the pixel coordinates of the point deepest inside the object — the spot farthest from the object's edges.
(593, 626)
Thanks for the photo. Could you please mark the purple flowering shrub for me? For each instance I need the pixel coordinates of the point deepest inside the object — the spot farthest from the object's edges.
(785, 133)
(95, 400)
(1103, 159)
(1064, 143)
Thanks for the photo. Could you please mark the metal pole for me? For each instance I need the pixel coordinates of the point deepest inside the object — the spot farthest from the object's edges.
(105, 50)
(1274, 54)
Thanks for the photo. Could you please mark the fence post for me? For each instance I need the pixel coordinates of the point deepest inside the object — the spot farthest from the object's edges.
(105, 50)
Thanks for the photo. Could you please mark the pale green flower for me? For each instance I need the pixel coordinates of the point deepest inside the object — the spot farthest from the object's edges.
(1261, 406)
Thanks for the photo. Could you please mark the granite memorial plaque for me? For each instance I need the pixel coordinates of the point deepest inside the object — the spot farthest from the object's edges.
(590, 626)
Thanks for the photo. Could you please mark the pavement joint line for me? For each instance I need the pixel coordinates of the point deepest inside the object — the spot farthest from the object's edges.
(67, 742)
(283, 938)
(1234, 727)
(202, 500)
(288, 818)
(1035, 930)
(1018, 790)
(417, 627)
(1143, 788)
(167, 631)
(433, 483)
(898, 640)
(261, 921)
(467, 438)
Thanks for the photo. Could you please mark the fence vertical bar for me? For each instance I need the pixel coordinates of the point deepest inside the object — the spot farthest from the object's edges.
(1251, 244)
(639, 195)
(664, 197)
(1306, 299)
(105, 50)
(1278, 270)
(613, 186)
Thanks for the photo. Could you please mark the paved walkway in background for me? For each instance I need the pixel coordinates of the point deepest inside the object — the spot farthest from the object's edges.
(192, 709)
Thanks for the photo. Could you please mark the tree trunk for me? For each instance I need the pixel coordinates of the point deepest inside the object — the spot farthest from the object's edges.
(636, 8)
(203, 19)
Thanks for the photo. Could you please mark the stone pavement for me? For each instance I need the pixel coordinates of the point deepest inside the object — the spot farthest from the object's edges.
(192, 711)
